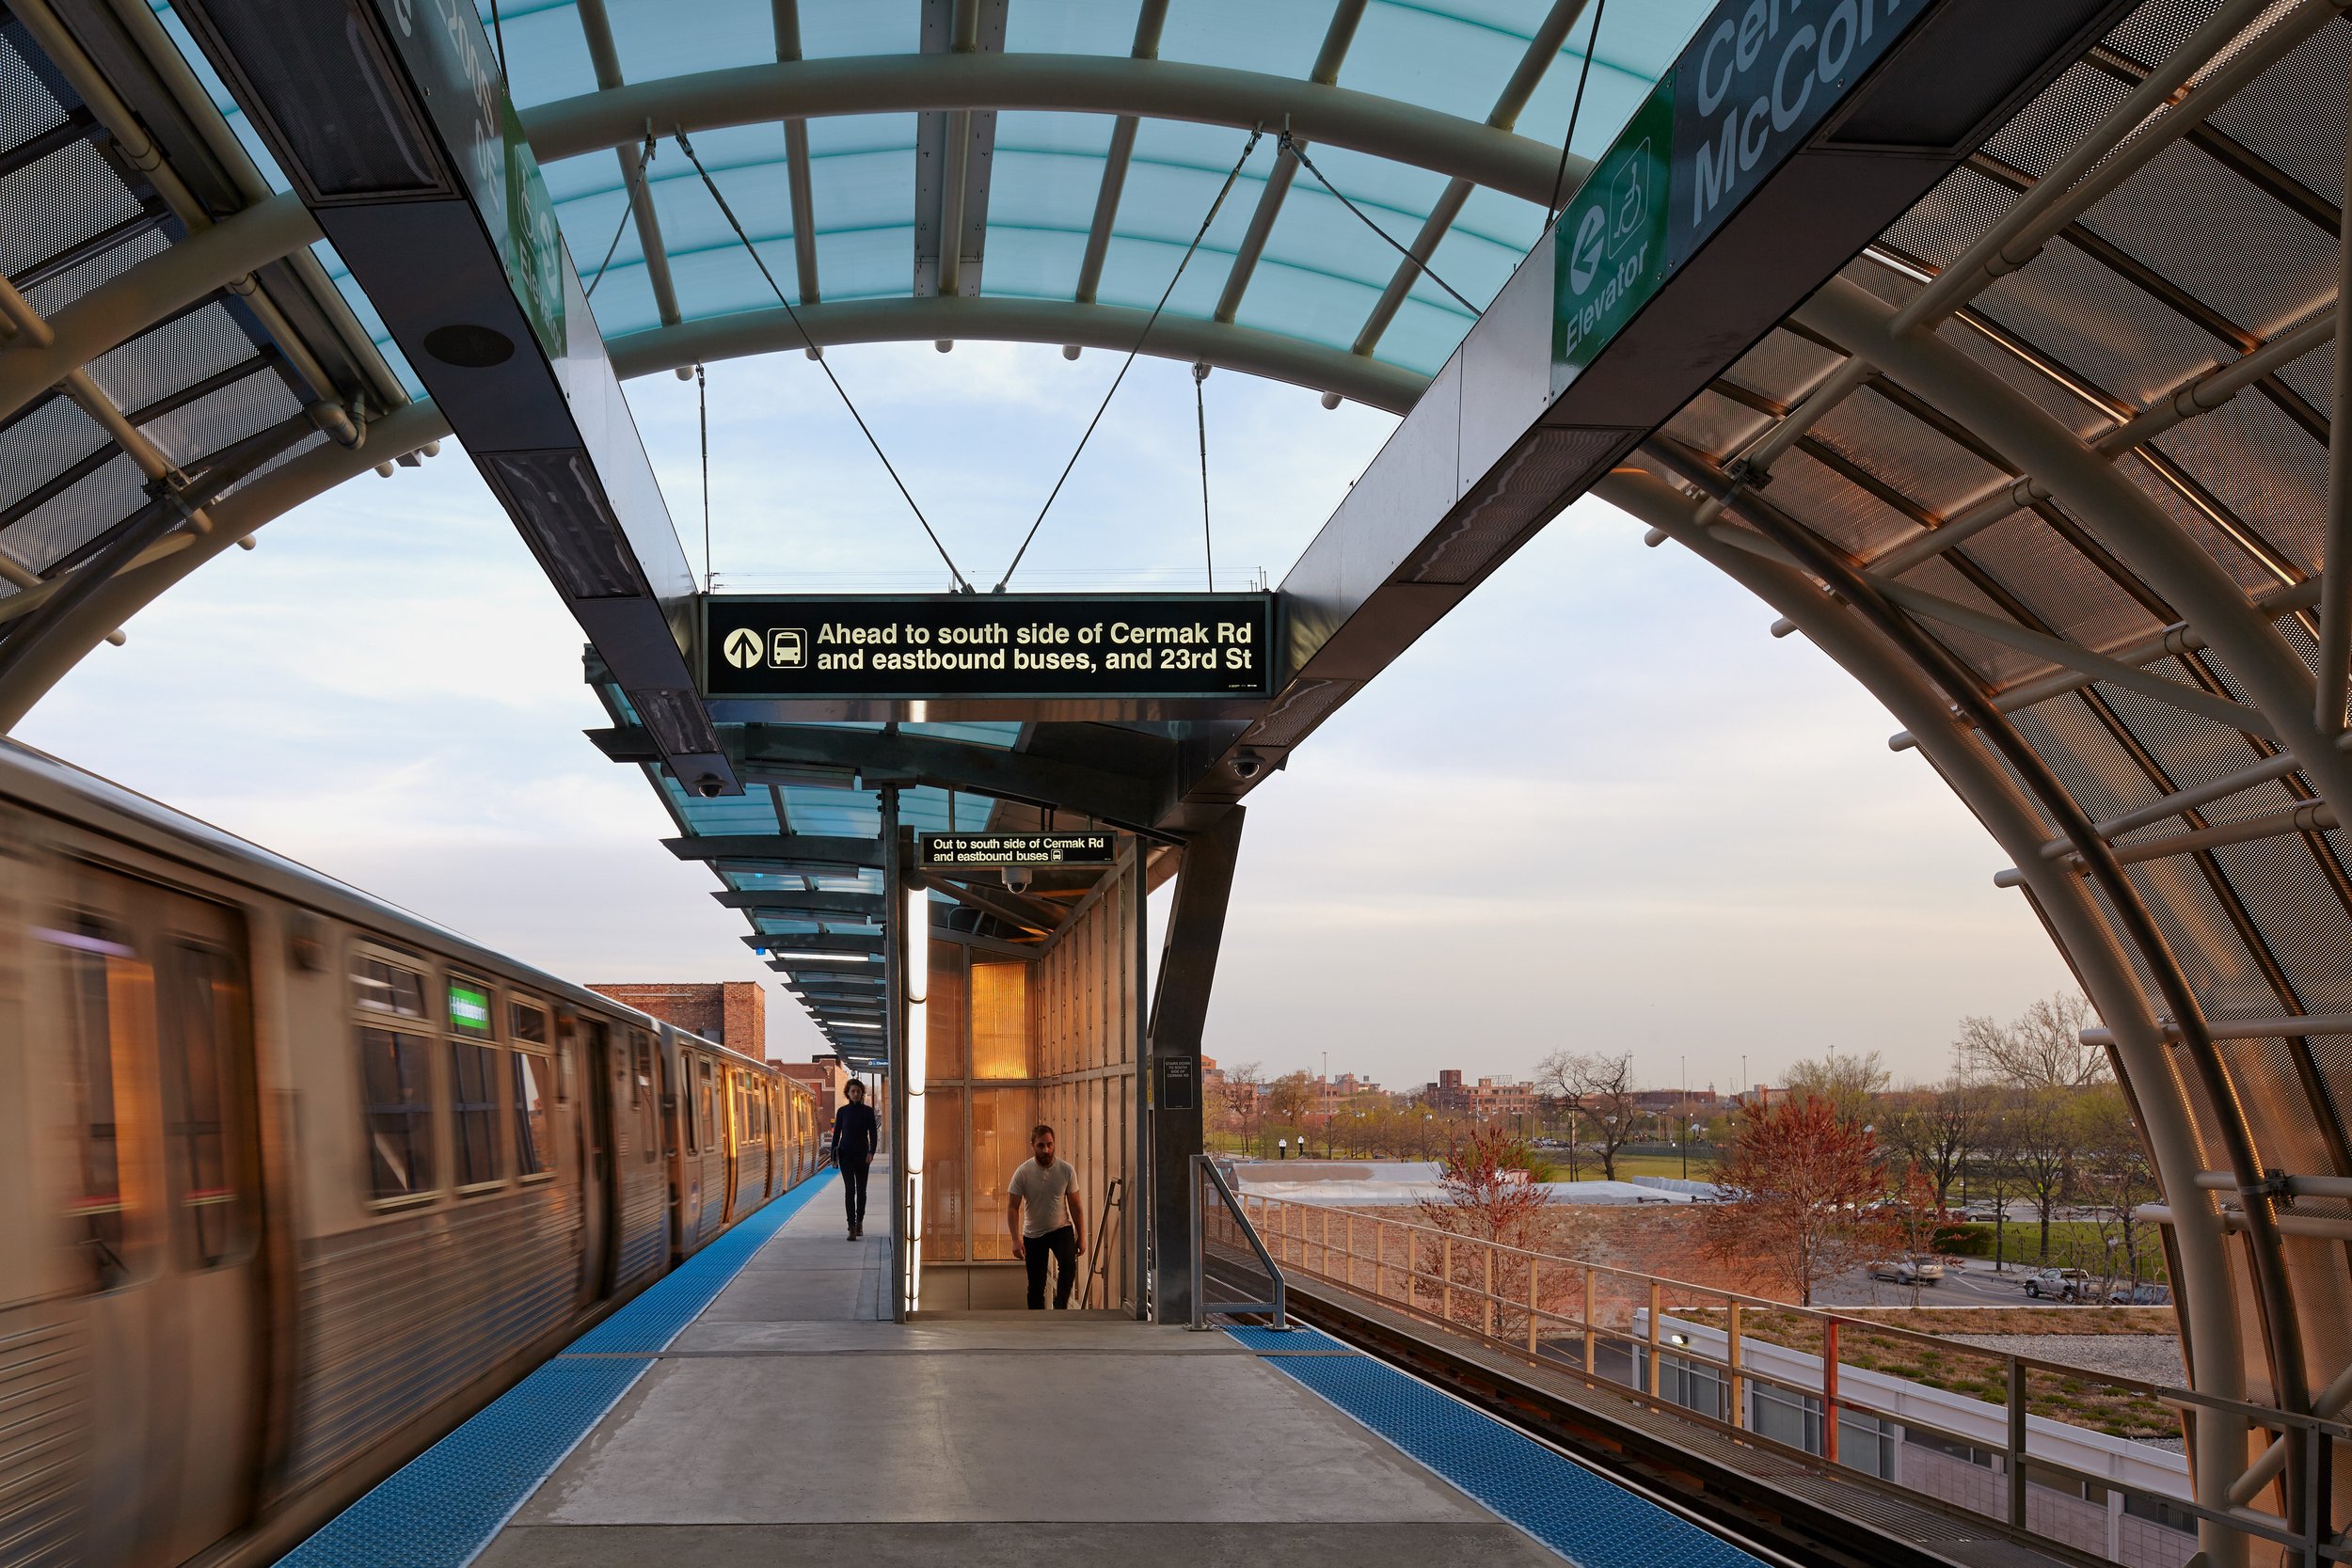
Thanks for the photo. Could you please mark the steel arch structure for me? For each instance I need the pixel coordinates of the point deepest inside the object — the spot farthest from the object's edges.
(2051, 469)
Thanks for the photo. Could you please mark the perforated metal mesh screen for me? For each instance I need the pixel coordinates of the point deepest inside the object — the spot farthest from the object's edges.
(2224, 238)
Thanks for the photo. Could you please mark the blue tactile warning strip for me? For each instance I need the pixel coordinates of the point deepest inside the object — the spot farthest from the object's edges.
(1582, 1515)
(441, 1509)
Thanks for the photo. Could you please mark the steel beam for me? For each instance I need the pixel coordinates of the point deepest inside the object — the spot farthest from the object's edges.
(234, 519)
(1081, 84)
(2086, 484)
(1150, 18)
(863, 905)
(1030, 915)
(1003, 319)
(2335, 608)
(1542, 50)
(780, 943)
(1345, 16)
(1122, 799)
(1179, 1012)
(807, 848)
(142, 296)
(2207, 1298)
(597, 27)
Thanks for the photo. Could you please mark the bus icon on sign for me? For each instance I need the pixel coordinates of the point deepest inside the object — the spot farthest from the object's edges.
(788, 649)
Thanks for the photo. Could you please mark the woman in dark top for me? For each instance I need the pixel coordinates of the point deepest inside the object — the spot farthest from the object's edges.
(855, 1135)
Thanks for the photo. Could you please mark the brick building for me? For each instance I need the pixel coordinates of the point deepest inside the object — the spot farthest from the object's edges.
(733, 1012)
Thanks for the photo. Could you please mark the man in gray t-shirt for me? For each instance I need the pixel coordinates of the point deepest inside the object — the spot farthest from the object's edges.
(1042, 1211)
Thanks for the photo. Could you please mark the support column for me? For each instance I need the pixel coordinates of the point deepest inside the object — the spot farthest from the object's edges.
(1180, 1008)
(894, 1040)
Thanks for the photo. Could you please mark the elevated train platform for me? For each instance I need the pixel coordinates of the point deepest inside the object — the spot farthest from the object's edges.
(764, 1408)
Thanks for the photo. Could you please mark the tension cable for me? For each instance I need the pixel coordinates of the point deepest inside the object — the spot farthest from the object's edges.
(1584, 74)
(1201, 418)
(794, 316)
(1309, 165)
(701, 417)
(628, 205)
(1199, 235)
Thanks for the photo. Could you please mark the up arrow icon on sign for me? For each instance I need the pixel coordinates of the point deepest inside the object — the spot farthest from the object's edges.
(744, 648)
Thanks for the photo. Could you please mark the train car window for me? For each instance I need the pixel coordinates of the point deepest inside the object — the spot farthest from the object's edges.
(534, 1141)
(709, 1111)
(377, 986)
(103, 980)
(394, 1081)
(641, 1048)
(202, 1040)
(474, 1098)
(528, 1025)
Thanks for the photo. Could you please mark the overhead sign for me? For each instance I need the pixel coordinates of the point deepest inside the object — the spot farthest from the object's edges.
(1757, 79)
(1017, 849)
(1030, 645)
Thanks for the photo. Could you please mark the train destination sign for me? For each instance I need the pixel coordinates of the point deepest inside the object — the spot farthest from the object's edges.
(997, 645)
(1095, 849)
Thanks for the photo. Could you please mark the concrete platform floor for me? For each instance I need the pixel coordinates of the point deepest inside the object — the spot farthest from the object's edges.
(793, 1424)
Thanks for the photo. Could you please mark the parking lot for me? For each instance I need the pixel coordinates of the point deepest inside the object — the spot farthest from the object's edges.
(1972, 1284)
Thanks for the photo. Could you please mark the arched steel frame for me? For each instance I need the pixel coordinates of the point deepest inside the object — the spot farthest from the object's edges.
(1084, 84)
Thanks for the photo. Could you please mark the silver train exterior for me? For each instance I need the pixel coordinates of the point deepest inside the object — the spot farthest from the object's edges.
(292, 1182)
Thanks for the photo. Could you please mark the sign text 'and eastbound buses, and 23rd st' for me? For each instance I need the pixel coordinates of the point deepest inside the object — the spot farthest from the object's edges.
(989, 646)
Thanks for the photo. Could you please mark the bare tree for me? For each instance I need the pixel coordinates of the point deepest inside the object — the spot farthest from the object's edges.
(2116, 1175)
(1937, 1134)
(1288, 1096)
(1848, 1082)
(2041, 1125)
(1241, 1097)
(1600, 1087)
(2040, 1049)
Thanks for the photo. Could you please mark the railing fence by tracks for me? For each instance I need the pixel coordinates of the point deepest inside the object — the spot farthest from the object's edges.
(1966, 1429)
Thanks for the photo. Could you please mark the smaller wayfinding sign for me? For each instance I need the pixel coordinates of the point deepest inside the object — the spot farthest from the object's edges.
(1008, 645)
(1017, 849)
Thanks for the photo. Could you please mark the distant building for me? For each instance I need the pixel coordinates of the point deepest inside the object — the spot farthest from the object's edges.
(733, 1012)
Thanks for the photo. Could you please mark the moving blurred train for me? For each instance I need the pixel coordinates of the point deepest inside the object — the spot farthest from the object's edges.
(292, 1182)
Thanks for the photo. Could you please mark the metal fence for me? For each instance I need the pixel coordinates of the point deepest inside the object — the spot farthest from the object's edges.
(2045, 1447)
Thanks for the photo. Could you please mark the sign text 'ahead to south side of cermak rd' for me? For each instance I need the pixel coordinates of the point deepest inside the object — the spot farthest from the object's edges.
(997, 645)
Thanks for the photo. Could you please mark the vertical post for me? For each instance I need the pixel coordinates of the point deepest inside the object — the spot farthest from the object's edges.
(2016, 1443)
(1326, 1243)
(895, 1046)
(1590, 1370)
(1180, 1008)
(1829, 1390)
(1200, 1305)
(1489, 1303)
(1534, 1301)
(1445, 1263)
(1654, 1315)
(1731, 1358)
(1351, 1249)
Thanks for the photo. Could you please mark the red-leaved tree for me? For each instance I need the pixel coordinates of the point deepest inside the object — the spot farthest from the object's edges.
(1484, 1188)
(1799, 1181)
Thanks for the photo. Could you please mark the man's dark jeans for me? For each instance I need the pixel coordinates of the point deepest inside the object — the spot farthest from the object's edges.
(1063, 1245)
(853, 1192)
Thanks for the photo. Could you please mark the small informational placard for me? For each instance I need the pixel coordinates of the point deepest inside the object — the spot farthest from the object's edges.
(989, 646)
(1176, 1085)
(984, 849)
(469, 1009)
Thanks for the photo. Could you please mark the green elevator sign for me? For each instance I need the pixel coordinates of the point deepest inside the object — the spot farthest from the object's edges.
(468, 1009)
(1609, 251)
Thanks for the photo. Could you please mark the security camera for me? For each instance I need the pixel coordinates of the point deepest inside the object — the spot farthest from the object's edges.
(1247, 764)
(710, 786)
(1017, 878)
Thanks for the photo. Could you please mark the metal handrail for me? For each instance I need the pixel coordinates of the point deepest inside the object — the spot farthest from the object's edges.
(1201, 1306)
(1114, 1200)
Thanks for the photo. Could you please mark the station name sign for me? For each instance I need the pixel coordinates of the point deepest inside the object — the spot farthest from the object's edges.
(1756, 80)
(997, 645)
(944, 849)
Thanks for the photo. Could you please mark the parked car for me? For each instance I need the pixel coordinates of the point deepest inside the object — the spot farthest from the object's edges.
(1908, 1269)
(2144, 1294)
(2064, 1285)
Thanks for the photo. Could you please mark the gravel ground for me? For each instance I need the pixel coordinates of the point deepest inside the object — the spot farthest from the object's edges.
(2150, 1357)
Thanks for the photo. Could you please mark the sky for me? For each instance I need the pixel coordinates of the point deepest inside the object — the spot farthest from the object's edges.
(1598, 808)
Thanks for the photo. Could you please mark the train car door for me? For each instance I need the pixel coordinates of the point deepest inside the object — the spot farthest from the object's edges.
(600, 1193)
(156, 1001)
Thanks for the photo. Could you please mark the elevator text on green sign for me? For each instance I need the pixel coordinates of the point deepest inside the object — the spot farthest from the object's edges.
(997, 645)
(1611, 254)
